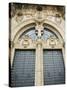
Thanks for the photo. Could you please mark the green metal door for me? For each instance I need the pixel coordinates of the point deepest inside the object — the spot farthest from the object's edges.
(23, 68)
(53, 62)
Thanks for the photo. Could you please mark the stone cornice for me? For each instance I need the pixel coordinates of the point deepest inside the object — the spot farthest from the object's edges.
(27, 9)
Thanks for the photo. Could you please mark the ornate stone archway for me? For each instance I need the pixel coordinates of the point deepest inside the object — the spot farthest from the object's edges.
(39, 21)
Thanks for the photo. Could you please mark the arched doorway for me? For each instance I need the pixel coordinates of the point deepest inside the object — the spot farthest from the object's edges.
(38, 60)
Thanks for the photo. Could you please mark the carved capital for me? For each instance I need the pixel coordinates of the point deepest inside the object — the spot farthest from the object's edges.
(39, 42)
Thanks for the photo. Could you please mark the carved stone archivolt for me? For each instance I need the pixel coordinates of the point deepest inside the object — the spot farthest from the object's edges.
(40, 16)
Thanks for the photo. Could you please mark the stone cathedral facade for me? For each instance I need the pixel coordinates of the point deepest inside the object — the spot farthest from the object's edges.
(36, 44)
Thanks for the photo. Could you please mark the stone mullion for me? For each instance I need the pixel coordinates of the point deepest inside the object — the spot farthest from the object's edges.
(39, 66)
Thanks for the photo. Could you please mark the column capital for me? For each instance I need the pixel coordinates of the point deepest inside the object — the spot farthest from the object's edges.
(39, 42)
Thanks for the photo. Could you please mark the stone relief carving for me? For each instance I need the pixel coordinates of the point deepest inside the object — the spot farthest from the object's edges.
(52, 41)
(39, 14)
(25, 41)
(58, 18)
(19, 16)
(28, 9)
(39, 29)
(39, 17)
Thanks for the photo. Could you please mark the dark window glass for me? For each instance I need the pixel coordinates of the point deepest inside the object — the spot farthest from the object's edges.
(23, 69)
(53, 67)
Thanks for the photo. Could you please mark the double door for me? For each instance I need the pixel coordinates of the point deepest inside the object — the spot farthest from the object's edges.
(53, 67)
(23, 68)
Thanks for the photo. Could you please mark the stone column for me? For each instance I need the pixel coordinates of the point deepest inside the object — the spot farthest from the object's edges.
(12, 53)
(39, 64)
